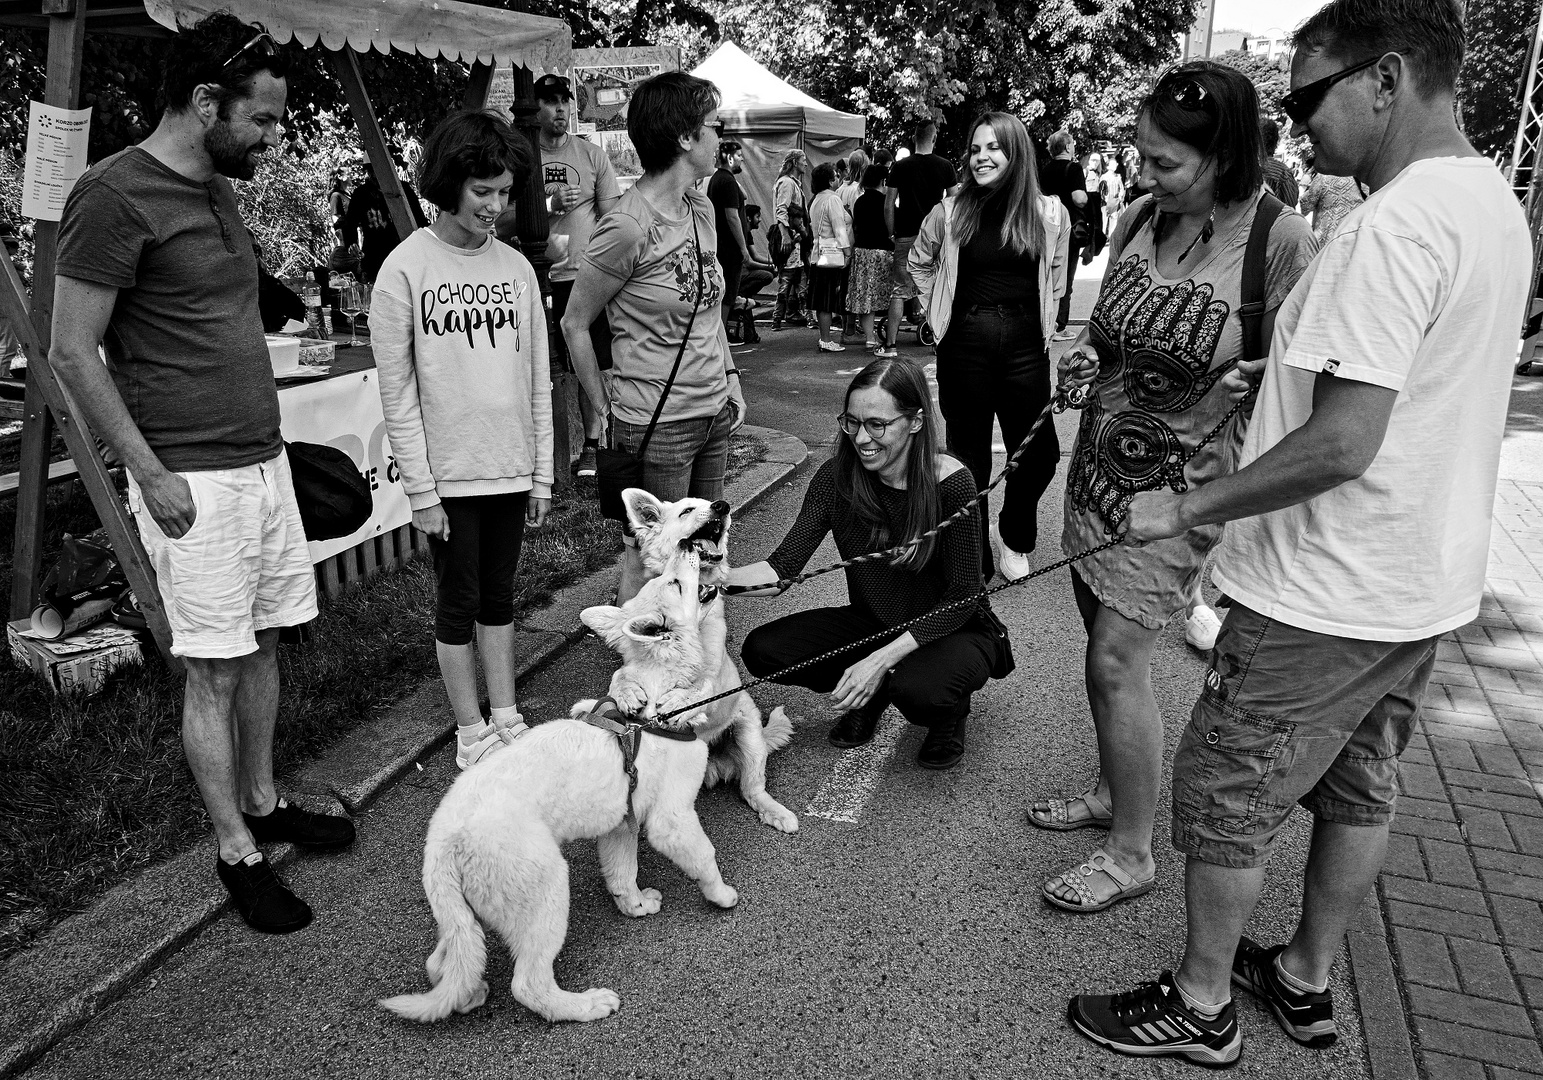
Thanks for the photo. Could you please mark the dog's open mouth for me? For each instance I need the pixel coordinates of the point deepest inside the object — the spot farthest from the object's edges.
(706, 541)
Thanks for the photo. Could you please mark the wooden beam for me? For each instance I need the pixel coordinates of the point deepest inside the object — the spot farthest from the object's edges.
(121, 530)
(66, 50)
(345, 64)
(478, 85)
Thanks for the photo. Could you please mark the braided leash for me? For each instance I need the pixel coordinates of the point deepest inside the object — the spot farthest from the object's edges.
(882, 635)
(1060, 401)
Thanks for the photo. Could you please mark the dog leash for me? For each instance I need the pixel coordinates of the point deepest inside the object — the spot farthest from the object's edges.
(1076, 399)
(891, 632)
(1060, 401)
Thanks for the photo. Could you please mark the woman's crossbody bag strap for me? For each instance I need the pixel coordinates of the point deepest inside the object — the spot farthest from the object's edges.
(701, 290)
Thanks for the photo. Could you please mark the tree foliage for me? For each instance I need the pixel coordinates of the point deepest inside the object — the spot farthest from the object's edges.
(1499, 34)
(1271, 78)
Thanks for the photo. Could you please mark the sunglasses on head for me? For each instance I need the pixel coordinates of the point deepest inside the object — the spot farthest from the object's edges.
(1300, 104)
(260, 47)
(1184, 90)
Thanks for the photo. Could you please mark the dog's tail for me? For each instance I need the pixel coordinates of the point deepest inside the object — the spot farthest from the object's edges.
(455, 966)
(724, 763)
(778, 730)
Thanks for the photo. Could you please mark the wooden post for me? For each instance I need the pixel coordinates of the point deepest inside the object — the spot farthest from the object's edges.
(345, 65)
(121, 531)
(532, 228)
(478, 85)
(66, 48)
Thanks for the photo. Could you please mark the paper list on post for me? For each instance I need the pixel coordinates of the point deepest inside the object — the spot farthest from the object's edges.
(56, 156)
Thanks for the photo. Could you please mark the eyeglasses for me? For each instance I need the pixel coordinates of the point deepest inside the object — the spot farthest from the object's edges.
(875, 427)
(1300, 104)
(716, 127)
(262, 46)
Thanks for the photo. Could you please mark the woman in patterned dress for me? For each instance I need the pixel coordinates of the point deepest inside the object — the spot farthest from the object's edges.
(1165, 330)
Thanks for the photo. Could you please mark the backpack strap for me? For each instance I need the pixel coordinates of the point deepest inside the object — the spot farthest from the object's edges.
(1255, 266)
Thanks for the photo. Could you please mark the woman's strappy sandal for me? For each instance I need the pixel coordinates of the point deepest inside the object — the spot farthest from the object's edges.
(1056, 814)
(1091, 883)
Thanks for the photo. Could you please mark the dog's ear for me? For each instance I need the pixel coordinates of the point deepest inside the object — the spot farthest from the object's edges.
(603, 620)
(643, 510)
(647, 628)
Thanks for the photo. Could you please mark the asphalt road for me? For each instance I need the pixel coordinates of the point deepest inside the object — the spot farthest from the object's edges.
(909, 943)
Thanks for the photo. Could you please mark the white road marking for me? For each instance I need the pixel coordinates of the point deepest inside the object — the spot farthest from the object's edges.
(846, 793)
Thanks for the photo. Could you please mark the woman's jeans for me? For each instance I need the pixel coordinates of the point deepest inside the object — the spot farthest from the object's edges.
(992, 363)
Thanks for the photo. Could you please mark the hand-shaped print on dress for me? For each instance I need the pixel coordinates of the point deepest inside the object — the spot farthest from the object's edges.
(1169, 344)
(1118, 456)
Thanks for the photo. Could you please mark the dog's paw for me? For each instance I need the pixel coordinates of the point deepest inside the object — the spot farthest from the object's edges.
(779, 817)
(645, 902)
(723, 894)
(597, 1004)
(631, 698)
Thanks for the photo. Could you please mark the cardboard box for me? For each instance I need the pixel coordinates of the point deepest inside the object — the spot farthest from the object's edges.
(80, 663)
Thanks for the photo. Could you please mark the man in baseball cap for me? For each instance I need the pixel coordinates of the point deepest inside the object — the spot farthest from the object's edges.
(580, 187)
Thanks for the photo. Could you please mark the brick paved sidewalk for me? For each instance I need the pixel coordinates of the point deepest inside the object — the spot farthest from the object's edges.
(1460, 893)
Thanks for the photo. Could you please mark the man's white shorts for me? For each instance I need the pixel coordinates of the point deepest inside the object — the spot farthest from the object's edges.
(241, 568)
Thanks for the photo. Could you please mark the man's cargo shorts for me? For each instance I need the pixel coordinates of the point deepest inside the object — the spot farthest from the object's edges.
(1290, 716)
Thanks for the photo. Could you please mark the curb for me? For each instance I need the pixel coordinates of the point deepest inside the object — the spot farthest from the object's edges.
(1384, 1021)
(94, 958)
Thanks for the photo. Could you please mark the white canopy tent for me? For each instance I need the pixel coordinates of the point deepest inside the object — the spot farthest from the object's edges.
(448, 28)
(769, 117)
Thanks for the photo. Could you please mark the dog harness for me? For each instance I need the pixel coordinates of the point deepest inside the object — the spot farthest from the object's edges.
(608, 717)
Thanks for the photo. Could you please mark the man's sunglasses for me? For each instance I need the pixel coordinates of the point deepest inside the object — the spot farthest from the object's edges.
(260, 47)
(1300, 105)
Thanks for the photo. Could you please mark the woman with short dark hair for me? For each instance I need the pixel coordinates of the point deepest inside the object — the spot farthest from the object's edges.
(460, 343)
(652, 265)
(887, 485)
(1165, 329)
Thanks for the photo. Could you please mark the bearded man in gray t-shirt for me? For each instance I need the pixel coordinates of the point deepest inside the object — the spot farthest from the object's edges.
(156, 267)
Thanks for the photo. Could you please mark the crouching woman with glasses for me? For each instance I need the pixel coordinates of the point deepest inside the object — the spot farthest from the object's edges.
(885, 487)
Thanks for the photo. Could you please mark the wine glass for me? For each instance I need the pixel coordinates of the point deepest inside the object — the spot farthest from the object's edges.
(352, 302)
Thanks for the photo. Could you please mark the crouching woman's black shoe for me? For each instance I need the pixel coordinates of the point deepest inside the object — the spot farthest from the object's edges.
(944, 744)
(856, 726)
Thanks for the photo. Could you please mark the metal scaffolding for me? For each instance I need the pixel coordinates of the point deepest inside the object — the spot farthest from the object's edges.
(1526, 179)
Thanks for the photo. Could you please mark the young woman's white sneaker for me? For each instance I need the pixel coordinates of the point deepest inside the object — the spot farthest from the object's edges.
(1012, 564)
(1202, 626)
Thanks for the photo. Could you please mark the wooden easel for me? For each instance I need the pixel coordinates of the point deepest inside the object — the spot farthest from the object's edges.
(49, 402)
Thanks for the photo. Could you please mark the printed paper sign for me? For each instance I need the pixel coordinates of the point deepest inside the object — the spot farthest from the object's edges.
(56, 156)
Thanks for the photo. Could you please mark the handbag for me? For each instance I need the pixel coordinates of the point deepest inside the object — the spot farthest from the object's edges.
(831, 256)
(616, 470)
(334, 498)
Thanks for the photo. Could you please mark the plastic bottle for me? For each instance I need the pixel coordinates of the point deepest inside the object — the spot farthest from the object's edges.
(311, 295)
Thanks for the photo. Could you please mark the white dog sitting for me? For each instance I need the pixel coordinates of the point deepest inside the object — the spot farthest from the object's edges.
(740, 744)
(494, 846)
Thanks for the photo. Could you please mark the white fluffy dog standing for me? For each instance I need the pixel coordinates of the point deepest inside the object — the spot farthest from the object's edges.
(494, 846)
(740, 744)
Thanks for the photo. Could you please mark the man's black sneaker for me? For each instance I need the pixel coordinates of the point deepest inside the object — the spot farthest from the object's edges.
(943, 746)
(1306, 1016)
(1153, 1021)
(264, 901)
(291, 824)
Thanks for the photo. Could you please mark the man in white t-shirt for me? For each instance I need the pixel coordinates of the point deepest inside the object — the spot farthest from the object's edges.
(580, 188)
(1360, 526)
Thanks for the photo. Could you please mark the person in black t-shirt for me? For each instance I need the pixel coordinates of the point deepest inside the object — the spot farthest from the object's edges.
(729, 216)
(916, 185)
(1063, 178)
(1003, 242)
